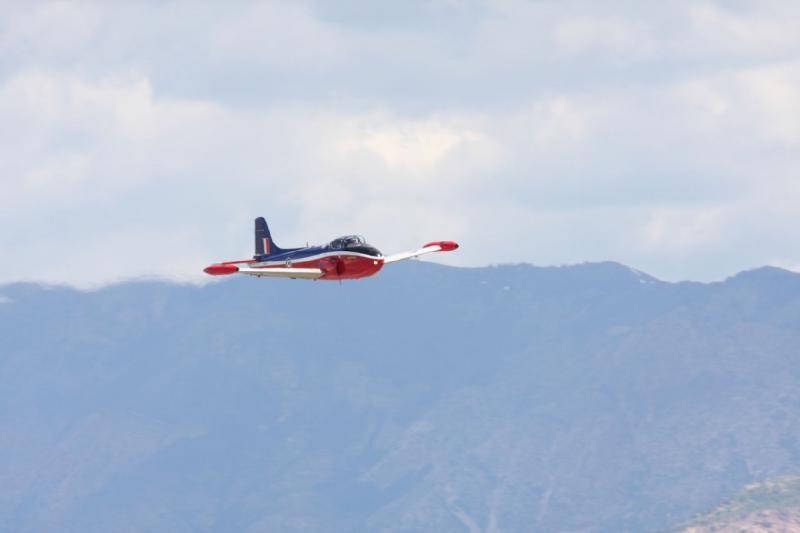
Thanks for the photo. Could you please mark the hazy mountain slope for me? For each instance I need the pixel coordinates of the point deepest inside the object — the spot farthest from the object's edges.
(587, 398)
(770, 505)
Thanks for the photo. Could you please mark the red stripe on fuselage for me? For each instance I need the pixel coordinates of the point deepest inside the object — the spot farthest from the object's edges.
(346, 266)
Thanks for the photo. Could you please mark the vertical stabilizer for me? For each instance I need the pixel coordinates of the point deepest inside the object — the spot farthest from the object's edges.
(264, 243)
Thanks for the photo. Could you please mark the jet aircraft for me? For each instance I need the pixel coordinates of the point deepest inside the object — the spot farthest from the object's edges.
(348, 257)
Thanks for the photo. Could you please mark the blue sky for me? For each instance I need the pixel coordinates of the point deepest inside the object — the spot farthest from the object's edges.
(141, 139)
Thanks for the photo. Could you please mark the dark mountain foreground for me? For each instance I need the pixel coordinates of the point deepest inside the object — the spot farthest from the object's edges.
(591, 398)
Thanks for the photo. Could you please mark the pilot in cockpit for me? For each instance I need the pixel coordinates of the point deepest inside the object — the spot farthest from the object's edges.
(354, 243)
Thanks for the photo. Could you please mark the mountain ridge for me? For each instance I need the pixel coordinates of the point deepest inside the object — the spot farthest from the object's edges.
(766, 271)
(431, 398)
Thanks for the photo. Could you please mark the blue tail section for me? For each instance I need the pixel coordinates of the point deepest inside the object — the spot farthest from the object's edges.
(264, 243)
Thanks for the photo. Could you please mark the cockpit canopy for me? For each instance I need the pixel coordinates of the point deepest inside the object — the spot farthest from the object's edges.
(353, 243)
(347, 241)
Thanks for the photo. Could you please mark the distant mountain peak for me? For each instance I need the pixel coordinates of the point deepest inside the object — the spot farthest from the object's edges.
(767, 270)
(611, 271)
(766, 275)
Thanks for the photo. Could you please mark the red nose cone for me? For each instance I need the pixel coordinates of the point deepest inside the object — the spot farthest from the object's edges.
(220, 269)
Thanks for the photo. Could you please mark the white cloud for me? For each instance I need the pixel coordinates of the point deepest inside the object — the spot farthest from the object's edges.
(529, 131)
(758, 28)
(415, 147)
(40, 30)
(71, 141)
(282, 34)
(773, 94)
(626, 40)
(682, 230)
(106, 257)
(785, 264)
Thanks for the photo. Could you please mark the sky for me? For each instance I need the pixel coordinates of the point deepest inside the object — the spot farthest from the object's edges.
(142, 139)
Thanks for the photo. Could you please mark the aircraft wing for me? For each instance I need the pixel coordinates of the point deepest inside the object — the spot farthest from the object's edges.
(441, 246)
(303, 273)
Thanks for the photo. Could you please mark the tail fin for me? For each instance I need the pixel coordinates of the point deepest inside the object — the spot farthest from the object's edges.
(264, 243)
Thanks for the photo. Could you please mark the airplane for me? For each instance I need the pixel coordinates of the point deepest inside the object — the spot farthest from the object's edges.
(348, 257)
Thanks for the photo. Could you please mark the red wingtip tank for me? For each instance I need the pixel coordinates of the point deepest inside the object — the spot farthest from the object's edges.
(221, 269)
(446, 246)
